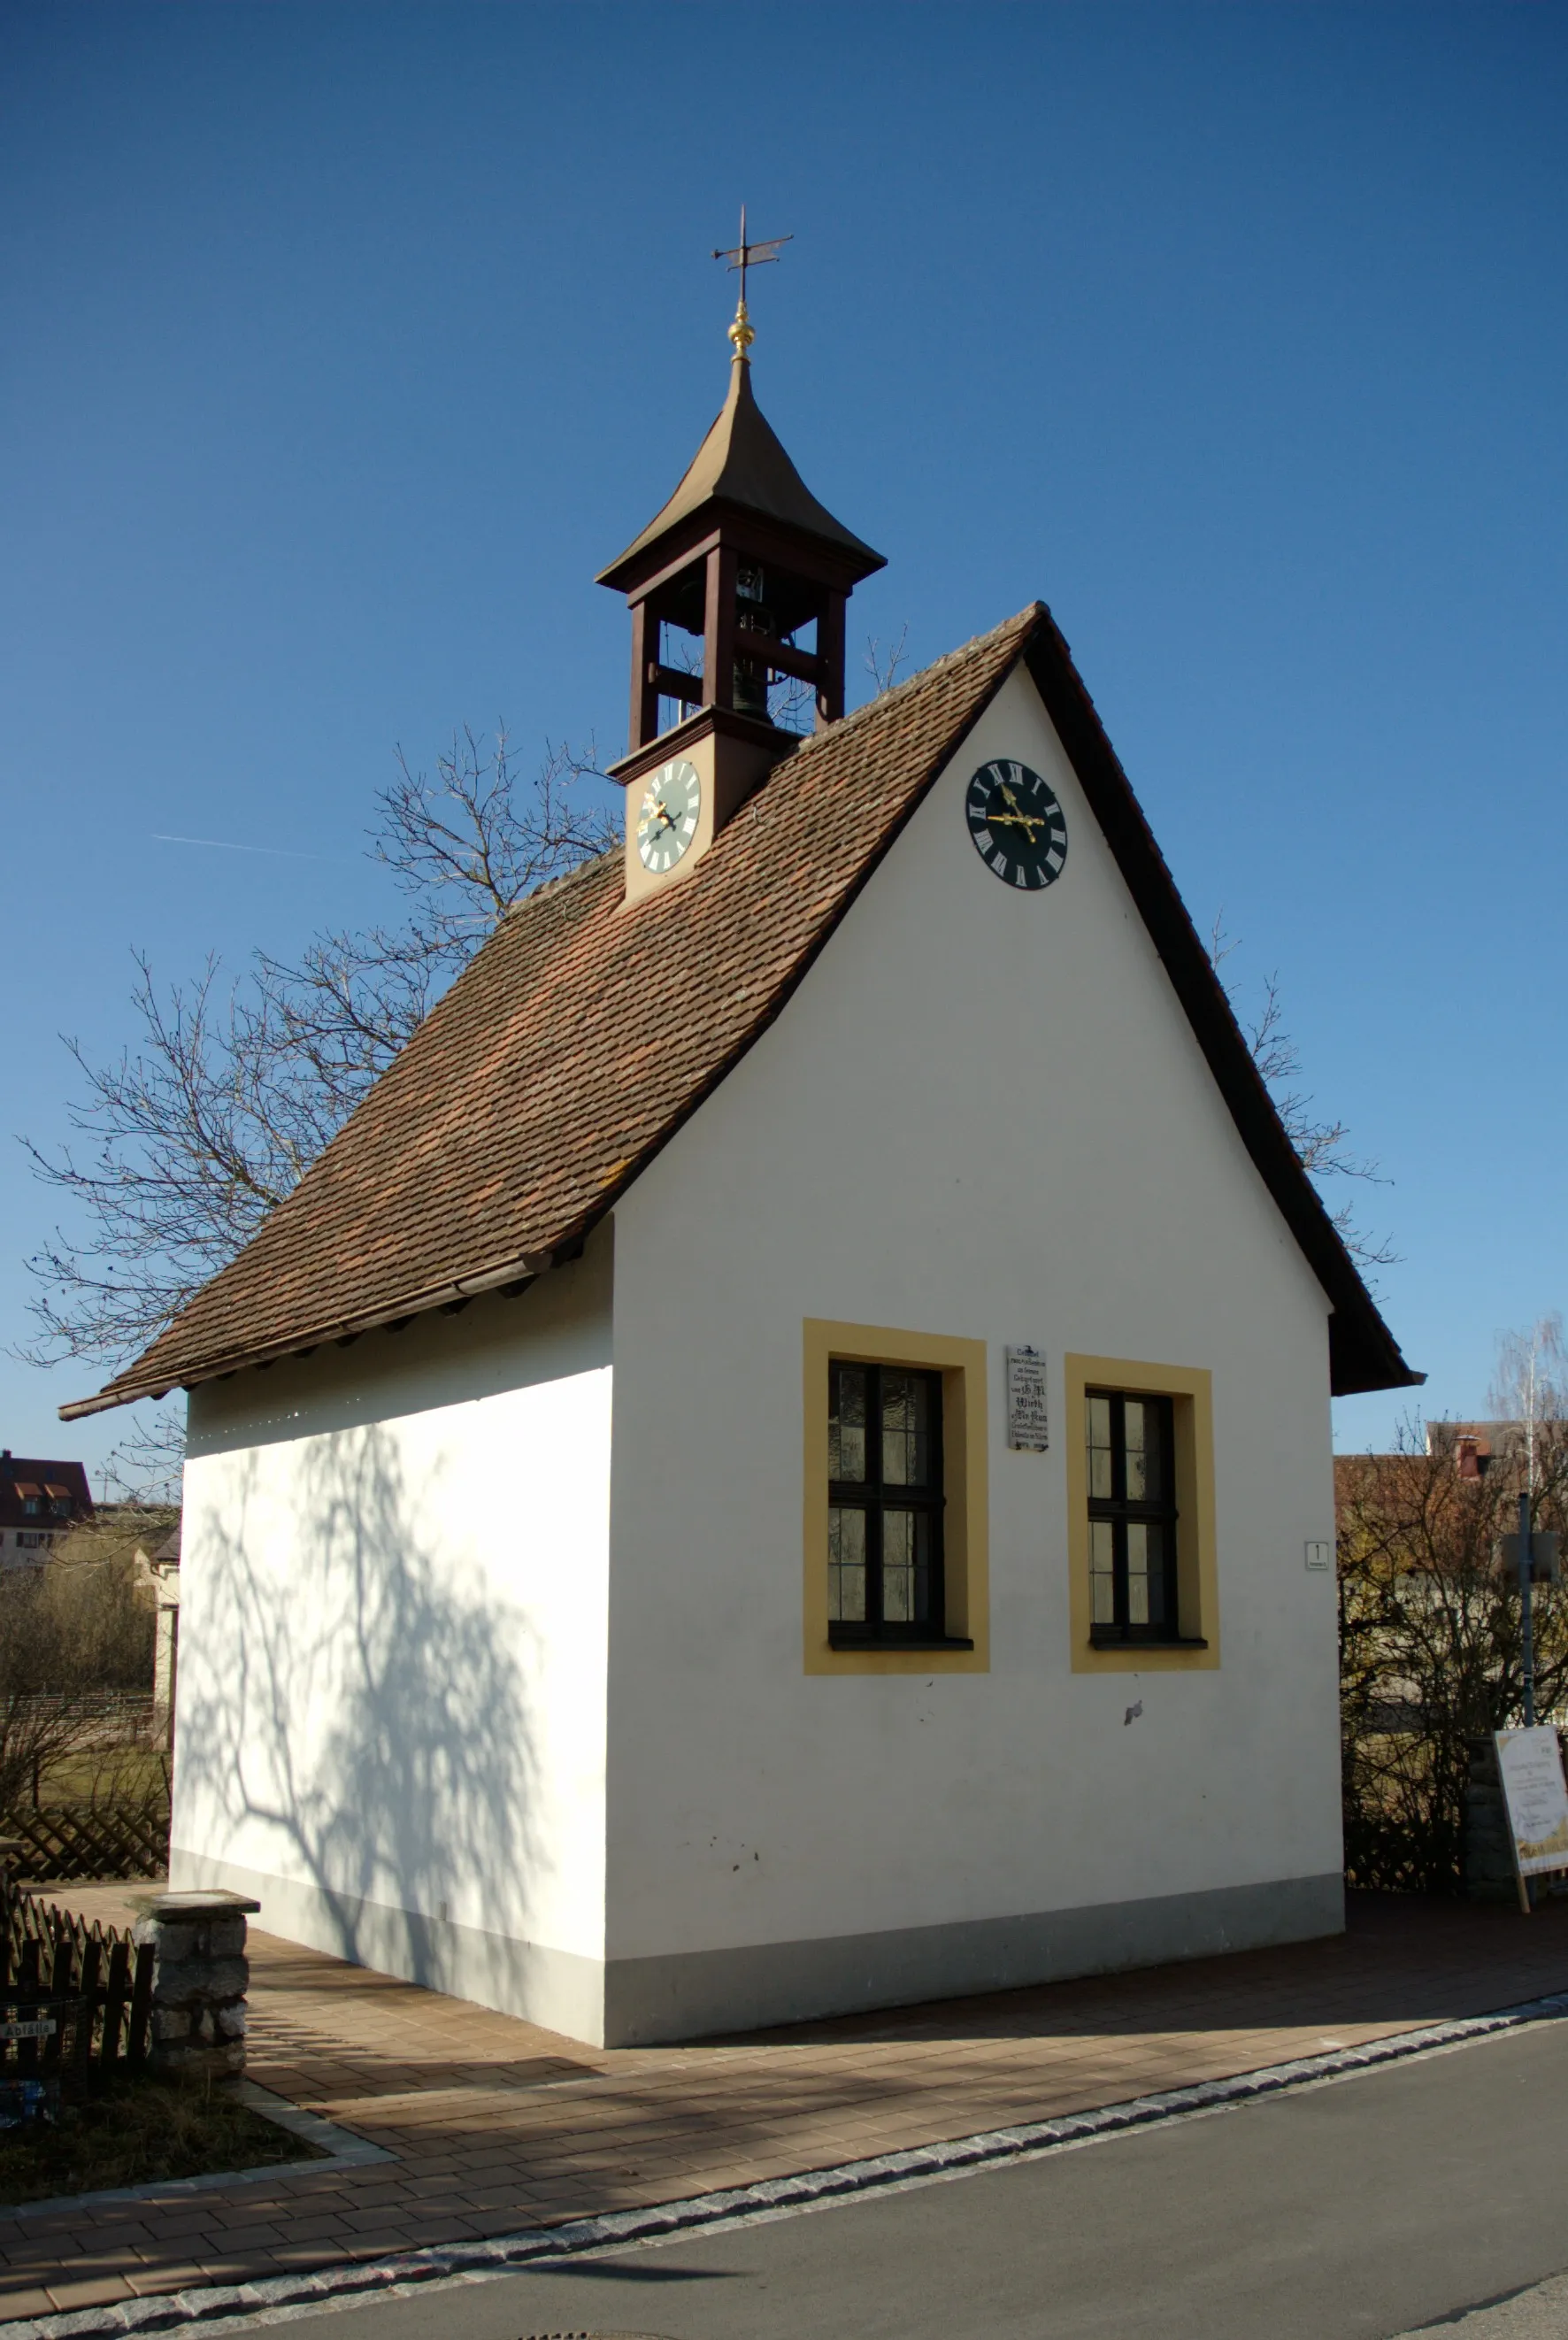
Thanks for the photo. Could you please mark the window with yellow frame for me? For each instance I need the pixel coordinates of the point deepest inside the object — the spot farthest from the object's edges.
(1139, 1442)
(895, 1501)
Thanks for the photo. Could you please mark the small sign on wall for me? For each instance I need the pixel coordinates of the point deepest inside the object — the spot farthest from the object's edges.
(1320, 1555)
(1028, 1428)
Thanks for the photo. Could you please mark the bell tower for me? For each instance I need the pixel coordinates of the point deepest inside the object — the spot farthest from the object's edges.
(736, 587)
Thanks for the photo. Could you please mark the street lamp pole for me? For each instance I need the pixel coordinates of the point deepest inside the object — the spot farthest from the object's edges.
(1526, 1636)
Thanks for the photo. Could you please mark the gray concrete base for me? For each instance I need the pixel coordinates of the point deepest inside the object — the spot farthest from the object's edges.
(694, 1994)
(700, 1992)
(558, 1988)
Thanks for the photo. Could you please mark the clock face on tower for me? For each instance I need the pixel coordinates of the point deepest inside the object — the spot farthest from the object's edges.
(667, 820)
(1017, 824)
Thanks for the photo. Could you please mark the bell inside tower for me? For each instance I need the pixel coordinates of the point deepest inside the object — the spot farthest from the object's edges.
(752, 617)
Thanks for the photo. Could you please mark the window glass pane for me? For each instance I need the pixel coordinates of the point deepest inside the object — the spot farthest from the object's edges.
(1140, 1437)
(1102, 1579)
(1147, 1555)
(847, 1422)
(906, 1568)
(905, 1429)
(1146, 1457)
(1098, 1411)
(1137, 1571)
(846, 1565)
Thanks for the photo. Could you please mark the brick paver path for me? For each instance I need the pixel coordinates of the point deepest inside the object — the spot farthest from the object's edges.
(497, 2125)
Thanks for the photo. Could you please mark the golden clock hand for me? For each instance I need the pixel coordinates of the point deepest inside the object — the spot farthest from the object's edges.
(1020, 818)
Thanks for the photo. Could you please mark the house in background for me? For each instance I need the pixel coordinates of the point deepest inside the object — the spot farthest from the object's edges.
(780, 1462)
(1480, 1448)
(40, 1503)
(159, 1571)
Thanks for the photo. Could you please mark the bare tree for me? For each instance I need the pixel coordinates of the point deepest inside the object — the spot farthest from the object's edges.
(882, 665)
(1429, 1645)
(37, 1726)
(1530, 1386)
(188, 1139)
(1321, 1147)
(77, 1626)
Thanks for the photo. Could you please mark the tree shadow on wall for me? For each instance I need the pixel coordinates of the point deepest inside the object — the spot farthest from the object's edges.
(370, 1708)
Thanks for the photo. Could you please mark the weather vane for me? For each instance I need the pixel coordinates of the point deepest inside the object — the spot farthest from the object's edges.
(743, 256)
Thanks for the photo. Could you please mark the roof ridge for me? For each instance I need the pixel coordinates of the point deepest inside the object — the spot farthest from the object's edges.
(554, 885)
(900, 691)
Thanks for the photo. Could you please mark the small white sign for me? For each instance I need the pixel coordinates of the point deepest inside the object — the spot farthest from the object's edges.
(1531, 1765)
(1320, 1555)
(41, 2029)
(1028, 1429)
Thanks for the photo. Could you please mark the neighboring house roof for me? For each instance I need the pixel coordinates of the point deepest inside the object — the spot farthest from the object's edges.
(544, 1082)
(164, 1555)
(742, 465)
(24, 1480)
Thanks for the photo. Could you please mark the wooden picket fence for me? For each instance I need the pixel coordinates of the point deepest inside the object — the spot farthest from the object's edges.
(126, 1839)
(75, 2001)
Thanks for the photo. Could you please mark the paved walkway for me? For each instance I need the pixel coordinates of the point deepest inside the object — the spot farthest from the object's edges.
(497, 2125)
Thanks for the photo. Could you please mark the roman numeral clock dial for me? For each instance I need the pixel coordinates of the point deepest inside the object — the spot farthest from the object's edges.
(667, 817)
(1018, 825)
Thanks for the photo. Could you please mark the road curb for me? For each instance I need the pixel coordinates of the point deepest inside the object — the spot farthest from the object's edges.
(287, 2296)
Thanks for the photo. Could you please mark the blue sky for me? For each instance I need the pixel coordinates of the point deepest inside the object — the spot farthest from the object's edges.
(345, 343)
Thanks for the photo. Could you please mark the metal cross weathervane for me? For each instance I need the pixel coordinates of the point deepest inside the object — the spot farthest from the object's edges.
(744, 255)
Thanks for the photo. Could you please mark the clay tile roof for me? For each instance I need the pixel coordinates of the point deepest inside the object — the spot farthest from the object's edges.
(536, 1090)
(27, 1478)
(743, 463)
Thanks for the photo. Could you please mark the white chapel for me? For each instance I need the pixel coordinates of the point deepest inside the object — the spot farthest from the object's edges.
(780, 1463)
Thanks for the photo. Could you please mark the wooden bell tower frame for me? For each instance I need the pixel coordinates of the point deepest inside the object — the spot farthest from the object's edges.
(699, 580)
(744, 556)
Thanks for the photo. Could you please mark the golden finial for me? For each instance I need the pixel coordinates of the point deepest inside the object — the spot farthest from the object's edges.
(743, 256)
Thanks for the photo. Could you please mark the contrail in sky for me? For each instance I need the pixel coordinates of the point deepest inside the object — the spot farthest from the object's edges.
(280, 852)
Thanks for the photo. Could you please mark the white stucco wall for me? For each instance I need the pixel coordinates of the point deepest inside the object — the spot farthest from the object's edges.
(983, 1114)
(392, 1688)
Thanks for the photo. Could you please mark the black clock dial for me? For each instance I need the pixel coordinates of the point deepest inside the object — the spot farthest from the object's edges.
(1016, 824)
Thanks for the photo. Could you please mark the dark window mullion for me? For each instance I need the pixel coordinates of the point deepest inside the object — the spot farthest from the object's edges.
(936, 1535)
(1119, 1524)
(875, 1492)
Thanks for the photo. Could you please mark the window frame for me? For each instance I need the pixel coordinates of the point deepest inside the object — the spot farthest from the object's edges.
(964, 1646)
(1119, 1510)
(875, 1497)
(1190, 1388)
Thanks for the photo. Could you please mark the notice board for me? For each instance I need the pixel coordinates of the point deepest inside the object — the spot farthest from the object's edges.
(1530, 1766)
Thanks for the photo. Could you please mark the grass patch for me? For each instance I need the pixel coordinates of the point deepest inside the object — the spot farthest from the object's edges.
(105, 1775)
(136, 2131)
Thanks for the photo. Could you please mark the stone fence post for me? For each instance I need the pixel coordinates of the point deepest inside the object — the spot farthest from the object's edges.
(199, 1977)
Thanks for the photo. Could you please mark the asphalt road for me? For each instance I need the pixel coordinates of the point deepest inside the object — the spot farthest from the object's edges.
(1375, 2205)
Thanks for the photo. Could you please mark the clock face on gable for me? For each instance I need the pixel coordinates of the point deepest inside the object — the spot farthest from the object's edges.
(1017, 824)
(667, 817)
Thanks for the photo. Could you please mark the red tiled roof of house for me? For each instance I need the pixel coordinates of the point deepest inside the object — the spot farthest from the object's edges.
(547, 1078)
(25, 1480)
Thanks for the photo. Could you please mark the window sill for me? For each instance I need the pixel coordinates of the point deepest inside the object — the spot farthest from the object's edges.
(850, 1637)
(1101, 1637)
